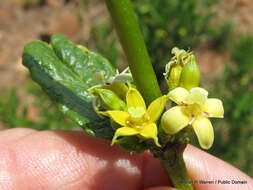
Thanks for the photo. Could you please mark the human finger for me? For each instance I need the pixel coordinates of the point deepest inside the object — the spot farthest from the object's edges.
(210, 173)
(66, 160)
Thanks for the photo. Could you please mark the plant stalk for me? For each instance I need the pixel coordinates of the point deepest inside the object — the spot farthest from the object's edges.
(132, 41)
(173, 163)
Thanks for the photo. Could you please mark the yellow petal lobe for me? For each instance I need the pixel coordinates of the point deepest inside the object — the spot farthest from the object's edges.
(156, 108)
(204, 131)
(174, 119)
(199, 90)
(178, 95)
(214, 108)
(134, 99)
(149, 131)
(119, 117)
(124, 131)
(197, 96)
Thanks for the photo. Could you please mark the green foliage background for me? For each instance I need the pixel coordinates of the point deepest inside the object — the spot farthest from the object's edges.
(165, 24)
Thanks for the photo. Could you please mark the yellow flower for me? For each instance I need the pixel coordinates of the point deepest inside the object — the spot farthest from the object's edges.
(138, 120)
(194, 108)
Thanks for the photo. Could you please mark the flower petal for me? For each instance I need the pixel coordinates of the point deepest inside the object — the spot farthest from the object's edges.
(175, 119)
(178, 95)
(197, 96)
(124, 131)
(156, 108)
(200, 90)
(119, 116)
(134, 99)
(150, 132)
(204, 131)
(214, 108)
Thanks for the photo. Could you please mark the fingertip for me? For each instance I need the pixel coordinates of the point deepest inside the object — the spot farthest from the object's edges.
(14, 134)
(207, 168)
(153, 173)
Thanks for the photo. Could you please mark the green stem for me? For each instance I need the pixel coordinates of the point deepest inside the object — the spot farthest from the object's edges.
(173, 163)
(132, 41)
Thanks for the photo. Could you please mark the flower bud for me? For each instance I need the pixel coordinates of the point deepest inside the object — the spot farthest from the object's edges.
(174, 67)
(119, 88)
(109, 99)
(190, 75)
(174, 77)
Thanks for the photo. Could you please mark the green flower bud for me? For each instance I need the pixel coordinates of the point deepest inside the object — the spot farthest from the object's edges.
(119, 88)
(174, 77)
(109, 99)
(174, 67)
(190, 75)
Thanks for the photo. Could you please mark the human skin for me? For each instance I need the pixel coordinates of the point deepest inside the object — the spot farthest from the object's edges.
(71, 160)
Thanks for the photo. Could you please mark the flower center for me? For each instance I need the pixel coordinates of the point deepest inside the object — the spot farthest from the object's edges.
(193, 109)
(136, 113)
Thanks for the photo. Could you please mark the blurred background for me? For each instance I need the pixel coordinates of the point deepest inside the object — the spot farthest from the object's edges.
(218, 31)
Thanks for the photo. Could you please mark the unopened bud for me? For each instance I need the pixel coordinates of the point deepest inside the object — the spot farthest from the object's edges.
(109, 99)
(190, 75)
(174, 77)
(174, 68)
(119, 88)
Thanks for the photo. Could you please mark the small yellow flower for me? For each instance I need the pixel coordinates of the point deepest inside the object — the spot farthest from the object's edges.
(194, 108)
(138, 120)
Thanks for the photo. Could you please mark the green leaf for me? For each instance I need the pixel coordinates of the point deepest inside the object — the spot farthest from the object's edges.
(87, 65)
(66, 71)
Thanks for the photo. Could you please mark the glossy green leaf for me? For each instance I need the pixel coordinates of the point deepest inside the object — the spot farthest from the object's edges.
(65, 71)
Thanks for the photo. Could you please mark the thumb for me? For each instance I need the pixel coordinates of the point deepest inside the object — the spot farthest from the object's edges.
(210, 172)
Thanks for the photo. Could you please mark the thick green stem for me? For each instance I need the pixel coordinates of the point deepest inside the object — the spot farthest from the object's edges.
(132, 41)
(178, 174)
(173, 162)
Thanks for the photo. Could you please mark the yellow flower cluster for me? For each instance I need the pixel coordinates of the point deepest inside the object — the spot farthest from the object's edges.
(194, 109)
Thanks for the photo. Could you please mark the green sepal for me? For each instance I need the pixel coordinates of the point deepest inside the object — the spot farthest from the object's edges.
(114, 124)
(67, 77)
